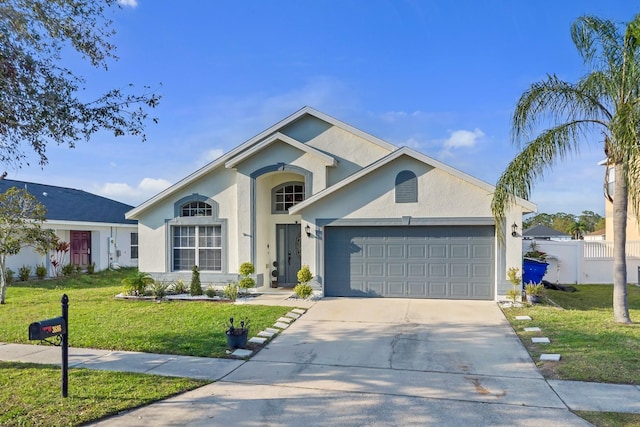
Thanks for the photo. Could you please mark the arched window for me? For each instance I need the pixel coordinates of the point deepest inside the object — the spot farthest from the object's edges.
(196, 209)
(406, 187)
(198, 236)
(286, 195)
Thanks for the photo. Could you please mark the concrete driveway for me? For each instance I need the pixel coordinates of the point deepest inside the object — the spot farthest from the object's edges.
(377, 362)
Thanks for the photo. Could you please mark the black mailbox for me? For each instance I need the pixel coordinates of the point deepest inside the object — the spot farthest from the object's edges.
(47, 328)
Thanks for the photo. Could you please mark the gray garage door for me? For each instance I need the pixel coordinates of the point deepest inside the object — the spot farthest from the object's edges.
(410, 262)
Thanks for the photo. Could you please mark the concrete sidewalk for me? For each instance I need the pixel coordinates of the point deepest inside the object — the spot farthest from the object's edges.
(362, 362)
(576, 395)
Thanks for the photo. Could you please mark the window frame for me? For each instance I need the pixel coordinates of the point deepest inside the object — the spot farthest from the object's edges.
(282, 187)
(134, 246)
(196, 221)
(406, 187)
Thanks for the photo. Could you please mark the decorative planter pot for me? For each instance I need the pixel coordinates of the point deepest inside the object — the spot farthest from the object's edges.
(236, 340)
(534, 299)
(274, 283)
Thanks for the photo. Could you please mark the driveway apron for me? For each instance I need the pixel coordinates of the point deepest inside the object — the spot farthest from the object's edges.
(377, 362)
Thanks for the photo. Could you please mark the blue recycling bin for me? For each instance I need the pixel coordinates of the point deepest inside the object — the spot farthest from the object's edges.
(533, 270)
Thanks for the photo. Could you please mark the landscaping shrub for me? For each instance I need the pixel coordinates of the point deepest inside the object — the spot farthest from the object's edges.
(159, 289)
(231, 291)
(68, 269)
(41, 271)
(137, 285)
(24, 272)
(304, 291)
(304, 275)
(211, 292)
(196, 286)
(246, 269)
(179, 287)
(91, 268)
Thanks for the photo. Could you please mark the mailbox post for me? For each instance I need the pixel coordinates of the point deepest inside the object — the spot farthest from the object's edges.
(56, 327)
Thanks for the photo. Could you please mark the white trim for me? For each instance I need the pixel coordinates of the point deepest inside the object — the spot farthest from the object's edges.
(89, 224)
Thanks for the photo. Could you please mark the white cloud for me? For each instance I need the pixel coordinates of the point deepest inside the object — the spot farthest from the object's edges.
(463, 138)
(125, 193)
(130, 3)
(209, 156)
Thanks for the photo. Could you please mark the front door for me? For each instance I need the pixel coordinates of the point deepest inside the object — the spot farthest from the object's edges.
(288, 245)
(81, 248)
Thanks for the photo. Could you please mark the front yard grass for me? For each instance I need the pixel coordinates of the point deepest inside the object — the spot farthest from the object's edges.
(592, 346)
(97, 320)
(581, 329)
(30, 394)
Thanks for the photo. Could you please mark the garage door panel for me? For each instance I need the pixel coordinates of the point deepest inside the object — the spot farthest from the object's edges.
(396, 289)
(416, 251)
(396, 270)
(416, 270)
(410, 261)
(460, 290)
(396, 251)
(459, 270)
(460, 251)
(437, 290)
(437, 251)
(375, 251)
(417, 289)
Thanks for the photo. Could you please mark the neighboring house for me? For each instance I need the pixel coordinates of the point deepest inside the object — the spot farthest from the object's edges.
(595, 235)
(94, 226)
(367, 217)
(542, 232)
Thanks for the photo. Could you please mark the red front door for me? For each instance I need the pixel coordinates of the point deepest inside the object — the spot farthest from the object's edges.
(81, 248)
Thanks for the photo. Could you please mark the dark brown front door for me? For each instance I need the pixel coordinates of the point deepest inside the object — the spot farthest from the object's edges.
(81, 248)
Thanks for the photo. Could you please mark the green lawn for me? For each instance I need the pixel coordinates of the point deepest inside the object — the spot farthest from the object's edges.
(581, 329)
(30, 394)
(593, 347)
(97, 320)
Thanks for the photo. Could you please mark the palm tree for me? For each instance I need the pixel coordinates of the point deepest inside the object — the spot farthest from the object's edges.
(554, 118)
(577, 229)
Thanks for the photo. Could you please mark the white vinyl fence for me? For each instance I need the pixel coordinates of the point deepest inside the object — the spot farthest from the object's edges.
(584, 262)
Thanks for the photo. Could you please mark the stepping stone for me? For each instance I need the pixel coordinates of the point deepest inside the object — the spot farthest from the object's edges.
(281, 325)
(523, 317)
(285, 319)
(550, 357)
(533, 329)
(299, 311)
(266, 334)
(272, 330)
(540, 340)
(242, 353)
(293, 315)
(258, 340)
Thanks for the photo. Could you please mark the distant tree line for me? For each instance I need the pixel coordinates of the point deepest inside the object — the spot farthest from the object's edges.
(576, 226)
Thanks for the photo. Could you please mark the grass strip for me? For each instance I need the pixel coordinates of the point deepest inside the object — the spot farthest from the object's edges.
(31, 394)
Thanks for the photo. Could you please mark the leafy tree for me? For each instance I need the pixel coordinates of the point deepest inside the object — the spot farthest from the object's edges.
(554, 118)
(42, 101)
(21, 219)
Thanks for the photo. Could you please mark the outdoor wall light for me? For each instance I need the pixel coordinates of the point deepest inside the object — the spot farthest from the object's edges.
(514, 230)
(307, 230)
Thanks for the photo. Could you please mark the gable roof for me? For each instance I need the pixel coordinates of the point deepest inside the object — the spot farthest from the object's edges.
(404, 151)
(68, 204)
(543, 231)
(325, 158)
(222, 160)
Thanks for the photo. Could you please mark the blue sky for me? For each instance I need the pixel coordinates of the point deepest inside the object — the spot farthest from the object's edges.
(439, 76)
